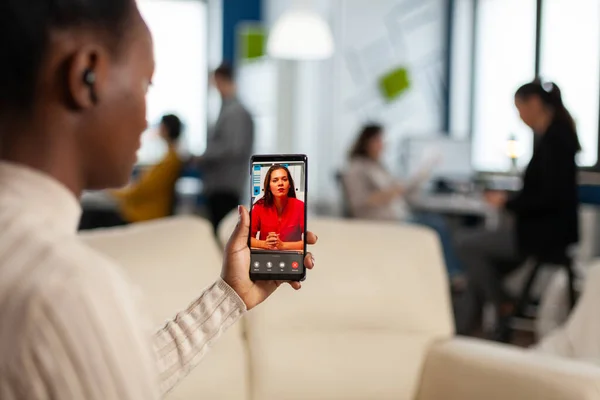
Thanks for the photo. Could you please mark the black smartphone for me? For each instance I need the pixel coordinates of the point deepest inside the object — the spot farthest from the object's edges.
(279, 192)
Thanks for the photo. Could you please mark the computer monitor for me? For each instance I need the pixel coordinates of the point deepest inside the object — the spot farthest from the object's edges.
(453, 157)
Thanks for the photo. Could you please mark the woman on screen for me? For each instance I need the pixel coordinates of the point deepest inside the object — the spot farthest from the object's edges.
(278, 217)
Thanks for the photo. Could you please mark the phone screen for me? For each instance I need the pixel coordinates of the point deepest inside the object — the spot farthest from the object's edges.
(278, 217)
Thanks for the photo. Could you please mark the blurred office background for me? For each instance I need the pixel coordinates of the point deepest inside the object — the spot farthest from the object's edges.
(428, 69)
(440, 77)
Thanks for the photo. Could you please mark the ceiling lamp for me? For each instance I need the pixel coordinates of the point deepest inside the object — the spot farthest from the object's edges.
(300, 34)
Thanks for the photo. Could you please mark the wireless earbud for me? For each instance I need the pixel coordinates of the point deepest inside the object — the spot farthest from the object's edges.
(89, 78)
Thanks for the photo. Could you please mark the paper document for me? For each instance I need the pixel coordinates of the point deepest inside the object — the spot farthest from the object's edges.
(429, 161)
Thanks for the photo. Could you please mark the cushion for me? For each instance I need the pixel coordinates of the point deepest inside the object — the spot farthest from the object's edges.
(369, 309)
(172, 260)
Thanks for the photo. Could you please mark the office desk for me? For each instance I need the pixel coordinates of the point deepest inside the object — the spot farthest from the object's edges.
(456, 205)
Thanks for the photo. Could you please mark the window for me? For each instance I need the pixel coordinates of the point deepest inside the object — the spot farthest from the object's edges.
(570, 46)
(505, 59)
(179, 30)
(506, 52)
(461, 57)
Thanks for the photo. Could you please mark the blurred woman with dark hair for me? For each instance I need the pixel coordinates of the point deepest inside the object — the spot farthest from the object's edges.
(374, 193)
(278, 217)
(544, 212)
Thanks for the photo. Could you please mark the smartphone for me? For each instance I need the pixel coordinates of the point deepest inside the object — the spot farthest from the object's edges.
(279, 192)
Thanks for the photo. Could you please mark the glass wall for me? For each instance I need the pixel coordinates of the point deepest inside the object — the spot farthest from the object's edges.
(461, 59)
(179, 30)
(504, 60)
(570, 57)
(506, 50)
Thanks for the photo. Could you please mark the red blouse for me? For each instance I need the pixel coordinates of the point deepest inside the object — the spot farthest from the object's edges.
(290, 226)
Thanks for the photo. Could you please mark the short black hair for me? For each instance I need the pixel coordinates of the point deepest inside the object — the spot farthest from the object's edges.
(173, 125)
(225, 70)
(25, 30)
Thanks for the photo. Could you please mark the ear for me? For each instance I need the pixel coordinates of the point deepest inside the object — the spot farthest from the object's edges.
(86, 77)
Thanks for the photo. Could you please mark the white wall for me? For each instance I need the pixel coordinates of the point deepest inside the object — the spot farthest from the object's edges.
(322, 104)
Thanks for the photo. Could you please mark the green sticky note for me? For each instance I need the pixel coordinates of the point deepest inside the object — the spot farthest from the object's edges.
(394, 83)
(252, 43)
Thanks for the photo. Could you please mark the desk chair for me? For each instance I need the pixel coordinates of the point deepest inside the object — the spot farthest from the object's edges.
(564, 260)
(346, 209)
(174, 201)
(183, 197)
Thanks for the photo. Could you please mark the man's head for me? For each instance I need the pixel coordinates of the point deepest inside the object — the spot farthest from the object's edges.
(73, 87)
(170, 128)
(223, 79)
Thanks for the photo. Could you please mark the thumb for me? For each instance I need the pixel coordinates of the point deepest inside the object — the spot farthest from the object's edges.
(239, 237)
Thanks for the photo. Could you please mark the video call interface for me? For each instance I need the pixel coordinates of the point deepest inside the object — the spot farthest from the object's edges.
(277, 218)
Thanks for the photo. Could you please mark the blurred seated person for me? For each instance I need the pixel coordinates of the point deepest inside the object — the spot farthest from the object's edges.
(542, 216)
(151, 196)
(278, 217)
(373, 193)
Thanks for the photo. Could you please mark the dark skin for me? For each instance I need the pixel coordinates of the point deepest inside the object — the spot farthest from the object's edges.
(86, 137)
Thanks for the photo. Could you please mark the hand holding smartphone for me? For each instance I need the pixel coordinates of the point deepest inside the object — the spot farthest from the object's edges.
(278, 217)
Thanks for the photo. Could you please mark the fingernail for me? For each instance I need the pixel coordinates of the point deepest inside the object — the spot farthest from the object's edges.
(313, 260)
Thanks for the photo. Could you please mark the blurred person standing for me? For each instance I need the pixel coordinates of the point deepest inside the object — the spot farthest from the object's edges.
(224, 165)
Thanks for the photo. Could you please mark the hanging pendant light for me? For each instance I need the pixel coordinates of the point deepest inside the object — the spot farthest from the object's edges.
(300, 34)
